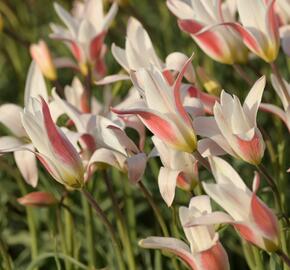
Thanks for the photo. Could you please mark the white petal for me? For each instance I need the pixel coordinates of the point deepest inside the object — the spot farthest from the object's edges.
(35, 84)
(26, 163)
(9, 143)
(121, 57)
(167, 179)
(253, 100)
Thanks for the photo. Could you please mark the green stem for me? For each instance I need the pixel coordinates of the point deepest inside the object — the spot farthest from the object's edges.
(5, 255)
(284, 257)
(154, 208)
(248, 252)
(243, 74)
(258, 260)
(121, 224)
(69, 234)
(109, 227)
(89, 230)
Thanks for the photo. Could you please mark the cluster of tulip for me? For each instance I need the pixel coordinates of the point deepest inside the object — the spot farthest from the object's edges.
(74, 136)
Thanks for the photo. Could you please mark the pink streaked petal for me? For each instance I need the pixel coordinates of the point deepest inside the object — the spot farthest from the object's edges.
(157, 124)
(214, 258)
(168, 76)
(60, 144)
(76, 51)
(264, 218)
(96, 45)
(272, 21)
(172, 245)
(208, 38)
(248, 38)
(251, 151)
(246, 232)
(182, 181)
(177, 97)
(38, 198)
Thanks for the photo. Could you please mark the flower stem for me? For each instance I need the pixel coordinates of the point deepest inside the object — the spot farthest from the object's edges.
(121, 224)
(277, 73)
(5, 256)
(258, 259)
(243, 74)
(155, 209)
(89, 231)
(108, 225)
(284, 257)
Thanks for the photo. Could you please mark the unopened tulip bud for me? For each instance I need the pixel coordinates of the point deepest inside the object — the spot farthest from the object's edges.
(41, 54)
(38, 198)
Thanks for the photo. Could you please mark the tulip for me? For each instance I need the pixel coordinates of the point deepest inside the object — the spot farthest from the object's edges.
(55, 151)
(85, 33)
(234, 127)
(38, 198)
(205, 251)
(179, 169)
(164, 115)
(197, 18)
(41, 55)
(140, 53)
(18, 141)
(259, 29)
(254, 220)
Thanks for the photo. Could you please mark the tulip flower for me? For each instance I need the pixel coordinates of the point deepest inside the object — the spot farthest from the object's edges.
(254, 220)
(19, 140)
(140, 53)
(259, 29)
(55, 151)
(104, 142)
(234, 127)
(198, 18)
(284, 115)
(164, 115)
(179, 169)
(205, 251)
(85, 33)
(41, 55)
(38, 198)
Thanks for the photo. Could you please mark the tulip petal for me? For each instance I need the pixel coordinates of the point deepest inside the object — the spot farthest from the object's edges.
(136, 167)
(96, 45)
(253, 100)
(35, 84)
(112, 79)
(9, 144)
(10, 117)
(172, 245)
(176, 90)
(167, 179)
(38, 198)
(158, 124)
(26, 163)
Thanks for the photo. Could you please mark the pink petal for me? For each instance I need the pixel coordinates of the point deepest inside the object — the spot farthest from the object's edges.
(156, 123)
(264, 218)
(249, 40)
(38, 198)
(96, 45)
(60, 144)
(214, 258)
(207, 38)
